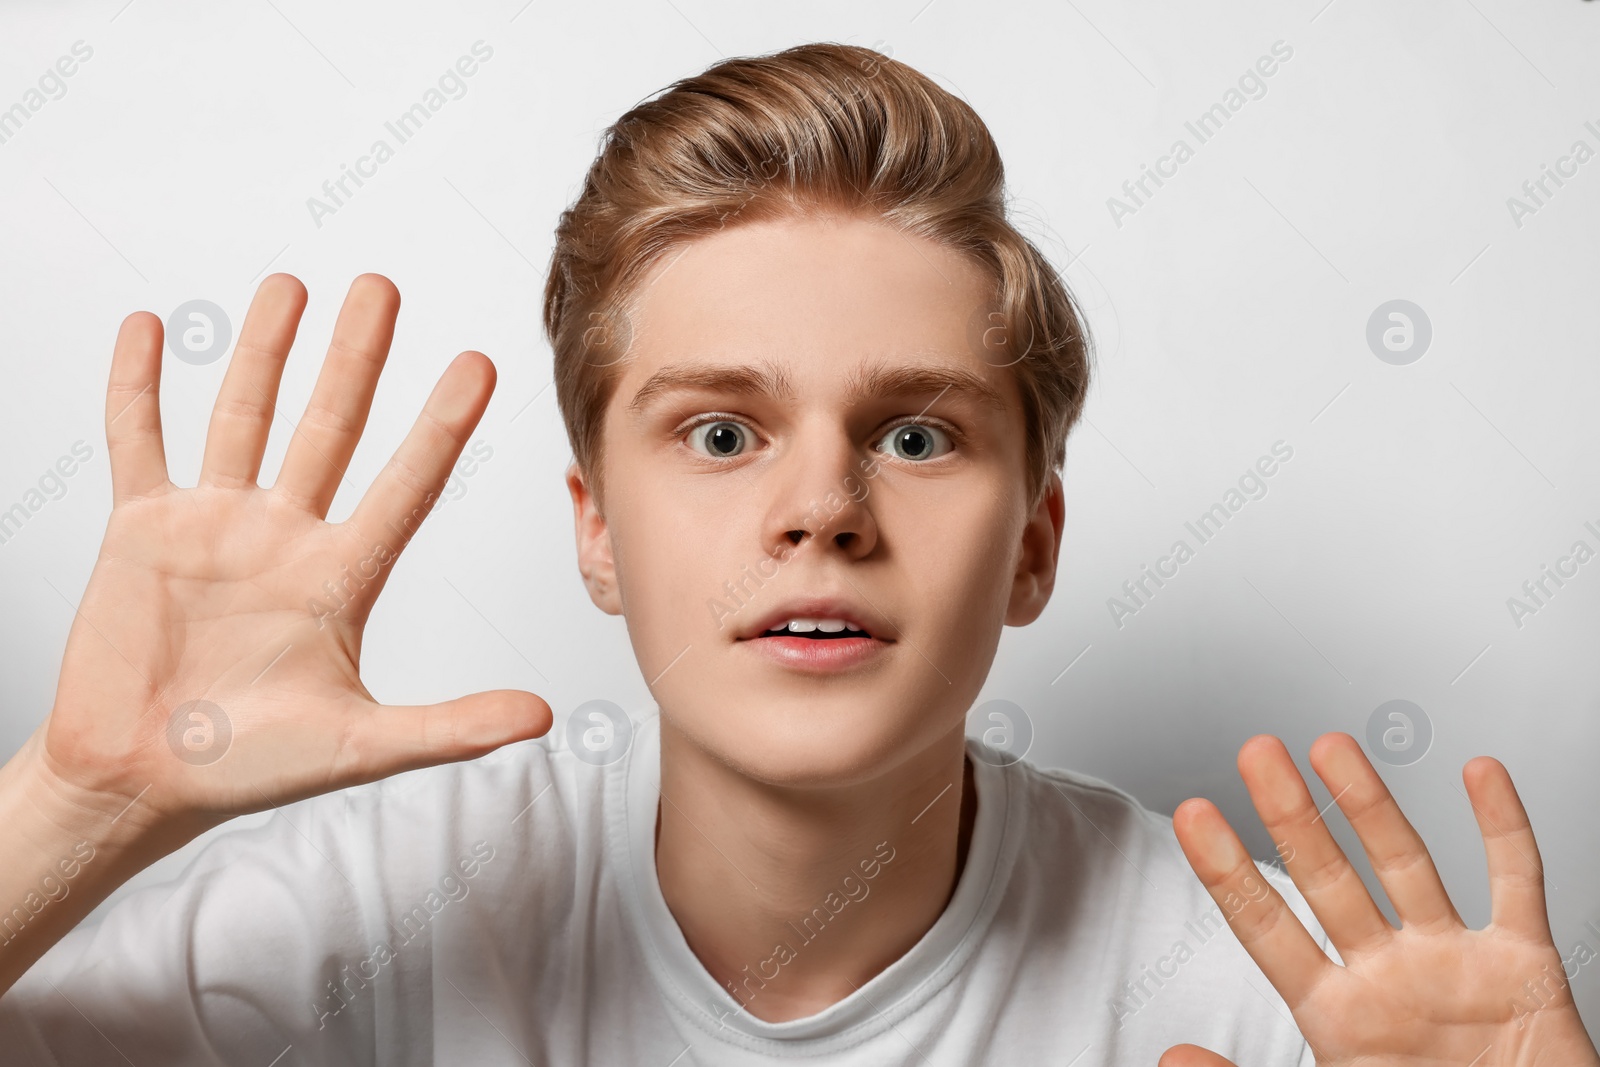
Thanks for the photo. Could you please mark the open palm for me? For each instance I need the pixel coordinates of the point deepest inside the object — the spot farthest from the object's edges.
(213, 666)
(1434, 991)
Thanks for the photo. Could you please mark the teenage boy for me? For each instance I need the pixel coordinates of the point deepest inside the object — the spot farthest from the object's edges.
(817, 390)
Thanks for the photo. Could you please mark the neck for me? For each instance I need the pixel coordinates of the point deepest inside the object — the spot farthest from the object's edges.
(792, 898)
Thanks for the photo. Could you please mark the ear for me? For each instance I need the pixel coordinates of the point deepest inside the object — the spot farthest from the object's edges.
(1036, 564)
(595, 561)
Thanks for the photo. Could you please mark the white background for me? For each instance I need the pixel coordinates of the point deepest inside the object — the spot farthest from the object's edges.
(1230, 312)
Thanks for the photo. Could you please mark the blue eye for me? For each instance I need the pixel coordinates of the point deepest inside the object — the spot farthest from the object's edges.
(915, 441)
(718, 440)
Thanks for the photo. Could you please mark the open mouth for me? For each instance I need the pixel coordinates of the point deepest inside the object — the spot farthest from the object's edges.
(823, 630)
(817, 636)
(817, 643)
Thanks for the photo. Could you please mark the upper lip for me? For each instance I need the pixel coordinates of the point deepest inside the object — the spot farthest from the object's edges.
(862, 618)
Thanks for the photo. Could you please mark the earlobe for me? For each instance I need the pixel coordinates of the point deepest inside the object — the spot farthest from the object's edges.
(595, 561)
(1041, 550)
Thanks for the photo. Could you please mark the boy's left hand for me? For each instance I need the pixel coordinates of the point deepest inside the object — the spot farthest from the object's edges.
(1433, 992)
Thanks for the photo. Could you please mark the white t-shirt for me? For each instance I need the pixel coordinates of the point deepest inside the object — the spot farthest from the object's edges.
(506, 912)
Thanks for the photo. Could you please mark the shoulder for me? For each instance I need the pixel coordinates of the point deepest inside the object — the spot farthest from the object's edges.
(1101, 877)
(1094, 816)
(521, 806)
(535, 786)
(1103, 839)
(541, 758)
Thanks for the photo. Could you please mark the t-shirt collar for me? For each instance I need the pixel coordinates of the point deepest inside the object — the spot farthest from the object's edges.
(897, 990)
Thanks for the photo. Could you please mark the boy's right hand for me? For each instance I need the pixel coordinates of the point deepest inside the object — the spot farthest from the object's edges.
(246, 599)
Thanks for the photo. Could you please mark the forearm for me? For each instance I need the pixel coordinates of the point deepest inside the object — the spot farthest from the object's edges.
(62, 852)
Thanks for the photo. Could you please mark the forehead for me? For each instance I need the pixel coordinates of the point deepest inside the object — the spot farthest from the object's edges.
(818, 297)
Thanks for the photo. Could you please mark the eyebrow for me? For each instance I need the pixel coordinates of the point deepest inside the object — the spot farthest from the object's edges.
(875, 382)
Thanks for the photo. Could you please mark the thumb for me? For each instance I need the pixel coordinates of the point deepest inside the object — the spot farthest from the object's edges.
(388, 739)
(1192, 1056)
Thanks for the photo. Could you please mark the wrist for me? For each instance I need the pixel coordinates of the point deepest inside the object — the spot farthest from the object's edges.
(55, 815)
(65, 850)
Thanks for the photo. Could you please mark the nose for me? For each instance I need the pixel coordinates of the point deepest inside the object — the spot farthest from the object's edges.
(820, 497)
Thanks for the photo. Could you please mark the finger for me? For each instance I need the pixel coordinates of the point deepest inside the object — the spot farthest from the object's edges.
(381, 741)
(242, 416)
(1273, 936)
(1398, 856)
(1516, 872)
(1192, 1056)
(408, 486)
(1331, 886)
(133, 410)
(329, 430)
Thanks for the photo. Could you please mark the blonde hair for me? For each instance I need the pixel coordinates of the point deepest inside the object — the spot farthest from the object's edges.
(815, 128)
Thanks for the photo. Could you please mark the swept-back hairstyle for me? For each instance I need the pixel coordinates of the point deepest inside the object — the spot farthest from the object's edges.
(812, 129)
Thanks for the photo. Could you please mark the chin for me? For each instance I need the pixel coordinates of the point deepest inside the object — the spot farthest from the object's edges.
(809, 741)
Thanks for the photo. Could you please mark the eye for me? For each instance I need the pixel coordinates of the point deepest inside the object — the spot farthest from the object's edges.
(719, 440)
(915, 441)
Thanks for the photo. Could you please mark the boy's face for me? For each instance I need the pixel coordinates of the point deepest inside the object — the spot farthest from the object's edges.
(852, 445)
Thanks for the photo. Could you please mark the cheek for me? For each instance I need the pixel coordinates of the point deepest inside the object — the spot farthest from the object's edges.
(661, 610)
(673, 557)
(963, 561)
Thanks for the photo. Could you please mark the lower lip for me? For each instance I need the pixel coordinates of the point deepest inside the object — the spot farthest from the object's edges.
(818, 654)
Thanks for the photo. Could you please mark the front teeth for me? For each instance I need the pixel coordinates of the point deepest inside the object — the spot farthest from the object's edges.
(827, 626)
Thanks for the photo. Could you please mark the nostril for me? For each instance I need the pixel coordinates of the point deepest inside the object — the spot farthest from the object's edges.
(795, 536)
